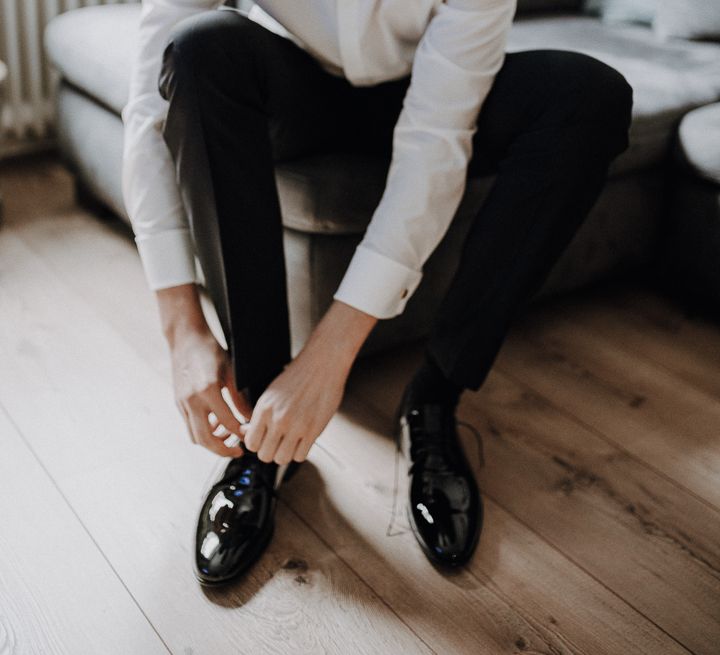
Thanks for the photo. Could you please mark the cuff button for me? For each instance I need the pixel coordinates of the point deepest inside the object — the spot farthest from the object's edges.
(404, 293)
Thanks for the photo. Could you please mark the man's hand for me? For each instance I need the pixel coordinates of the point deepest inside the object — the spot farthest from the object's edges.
(201, 369)
(297, 405)
(295, 408)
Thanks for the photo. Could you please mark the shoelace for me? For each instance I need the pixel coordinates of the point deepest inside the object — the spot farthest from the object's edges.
(426, 433)
(396, 482)
(248, 474)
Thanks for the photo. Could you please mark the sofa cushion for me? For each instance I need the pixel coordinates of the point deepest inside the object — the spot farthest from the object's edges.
(699, 141)
(622, 11)
(669, 78)
(330, 194)
(92, 47)
(691, 19)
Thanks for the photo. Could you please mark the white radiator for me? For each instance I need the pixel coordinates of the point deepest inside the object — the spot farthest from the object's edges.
(27, 109)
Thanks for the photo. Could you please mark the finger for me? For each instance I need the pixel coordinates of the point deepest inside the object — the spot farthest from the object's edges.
(222, 411)
(213, 420)
(203, 434)
(221, 431)
(286, 449)
(219, 447)
(254, 433)
(239, 401)
(232, 441)
(302, 449)
(197, 426)
(271, 440)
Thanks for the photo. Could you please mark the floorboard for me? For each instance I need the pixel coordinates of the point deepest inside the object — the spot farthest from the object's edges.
(645, 538)
(624, 395)
(58, 594)
(599, 469)
(104, 424)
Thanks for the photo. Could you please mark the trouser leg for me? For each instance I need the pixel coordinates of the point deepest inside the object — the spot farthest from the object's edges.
(550, 127)
(240, 99)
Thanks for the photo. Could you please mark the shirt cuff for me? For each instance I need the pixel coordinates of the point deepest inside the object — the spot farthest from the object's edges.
(168, 258)
(376, 284)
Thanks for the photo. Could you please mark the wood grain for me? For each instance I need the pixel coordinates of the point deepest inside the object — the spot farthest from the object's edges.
(647, 539)
(122, 464)
(47, 560)
(685, 344)
(600, 475)
(518, 588)
(639, 405)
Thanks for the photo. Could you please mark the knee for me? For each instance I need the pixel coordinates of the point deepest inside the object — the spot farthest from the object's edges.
(200, 45)
(610, 98)
(603, 100)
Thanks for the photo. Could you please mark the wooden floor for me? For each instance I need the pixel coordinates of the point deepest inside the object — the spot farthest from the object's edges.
(600, 429)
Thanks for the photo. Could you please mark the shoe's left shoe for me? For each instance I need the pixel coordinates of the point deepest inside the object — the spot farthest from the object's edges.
(236, 521)
(444, 504)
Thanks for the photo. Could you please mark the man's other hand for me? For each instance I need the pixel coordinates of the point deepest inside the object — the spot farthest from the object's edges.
(296, 406)
(201, 369)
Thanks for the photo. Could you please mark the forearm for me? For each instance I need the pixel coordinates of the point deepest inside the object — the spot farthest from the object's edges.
(340, 334)
(337, 338)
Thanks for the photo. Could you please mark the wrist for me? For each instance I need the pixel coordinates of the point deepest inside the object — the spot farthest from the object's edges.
(181, 314)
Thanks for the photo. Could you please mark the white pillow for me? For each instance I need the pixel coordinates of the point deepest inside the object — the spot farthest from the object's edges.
(622, 11)
(688, 19)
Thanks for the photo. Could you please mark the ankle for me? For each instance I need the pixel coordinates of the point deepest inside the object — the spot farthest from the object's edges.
(430, 385)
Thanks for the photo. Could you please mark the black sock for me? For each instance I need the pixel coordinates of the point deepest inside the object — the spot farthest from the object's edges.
(429, 385)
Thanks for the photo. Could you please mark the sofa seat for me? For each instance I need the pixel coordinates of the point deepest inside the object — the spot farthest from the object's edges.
(92, 48)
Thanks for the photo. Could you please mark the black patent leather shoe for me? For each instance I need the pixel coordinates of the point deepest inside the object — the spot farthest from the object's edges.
(444, 506)
(236, 521)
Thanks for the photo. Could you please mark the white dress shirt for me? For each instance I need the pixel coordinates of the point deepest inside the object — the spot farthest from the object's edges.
(452, 48)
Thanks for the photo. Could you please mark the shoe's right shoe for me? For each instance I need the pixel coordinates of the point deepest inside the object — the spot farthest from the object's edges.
(444, 509)
(237, 518)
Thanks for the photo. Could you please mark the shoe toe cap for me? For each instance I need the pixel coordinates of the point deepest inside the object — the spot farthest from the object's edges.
(230, 532)
(448, 533)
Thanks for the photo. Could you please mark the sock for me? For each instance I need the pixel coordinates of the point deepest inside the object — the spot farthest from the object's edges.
(429, 385)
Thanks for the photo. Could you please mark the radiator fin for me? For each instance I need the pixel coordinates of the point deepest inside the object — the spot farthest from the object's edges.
(27, 110)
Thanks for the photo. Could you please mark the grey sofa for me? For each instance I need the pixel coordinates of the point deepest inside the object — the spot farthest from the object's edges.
(327, 201)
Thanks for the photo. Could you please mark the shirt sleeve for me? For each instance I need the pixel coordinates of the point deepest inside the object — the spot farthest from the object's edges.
(454, 66)
(149, 187)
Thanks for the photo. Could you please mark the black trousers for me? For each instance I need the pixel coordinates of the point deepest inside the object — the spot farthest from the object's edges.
(242, 98)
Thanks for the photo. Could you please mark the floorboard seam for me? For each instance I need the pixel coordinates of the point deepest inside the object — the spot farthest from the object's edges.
(567, 557)
(600, 434)
(357, 575)
(54, 483)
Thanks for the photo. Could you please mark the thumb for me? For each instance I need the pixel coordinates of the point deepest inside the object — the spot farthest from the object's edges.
(239, 400)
